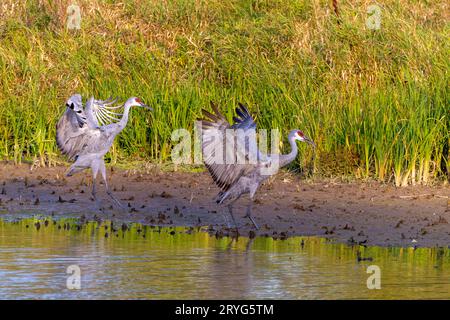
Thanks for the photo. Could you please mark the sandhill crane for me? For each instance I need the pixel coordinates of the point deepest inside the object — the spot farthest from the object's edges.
(236, 178)
(86, 135)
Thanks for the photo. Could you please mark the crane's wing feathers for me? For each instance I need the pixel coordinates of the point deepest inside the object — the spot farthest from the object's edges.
(100, 112)
(78, 132)
(70, 133)
(91, 118)
(220, 150)
(244, 119)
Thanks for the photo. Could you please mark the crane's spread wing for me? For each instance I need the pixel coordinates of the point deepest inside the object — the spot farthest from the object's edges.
(78, 131)
(70, 131)
(75, 137)
(244, 119)
(245, 122)
(100, 112)
(223, 152)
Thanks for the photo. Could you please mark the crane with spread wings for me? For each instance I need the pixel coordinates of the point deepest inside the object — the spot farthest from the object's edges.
(86, 134)
(228, 151)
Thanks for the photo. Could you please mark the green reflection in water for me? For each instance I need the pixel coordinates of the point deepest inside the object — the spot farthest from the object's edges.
(174, 263)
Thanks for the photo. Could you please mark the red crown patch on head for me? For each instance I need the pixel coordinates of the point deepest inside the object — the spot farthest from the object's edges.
(300, 133)
(138, 100)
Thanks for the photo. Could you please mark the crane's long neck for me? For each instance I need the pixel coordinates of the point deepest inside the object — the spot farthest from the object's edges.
(124, 120)
(285, 159)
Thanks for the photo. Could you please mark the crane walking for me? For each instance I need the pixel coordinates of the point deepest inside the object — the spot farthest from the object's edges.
(86, 134)
(236, 178)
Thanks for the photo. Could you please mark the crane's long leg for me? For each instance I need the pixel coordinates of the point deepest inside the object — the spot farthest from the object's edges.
(230, 210)
(94, 167)
(249, 214)
(108, 192)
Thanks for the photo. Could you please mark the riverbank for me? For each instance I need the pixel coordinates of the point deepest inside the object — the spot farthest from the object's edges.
(355, 213)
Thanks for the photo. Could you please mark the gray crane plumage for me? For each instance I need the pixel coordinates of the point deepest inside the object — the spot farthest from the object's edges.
(236, 178)
(85, 135)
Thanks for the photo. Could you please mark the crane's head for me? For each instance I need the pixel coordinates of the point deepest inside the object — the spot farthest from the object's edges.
(75, 103)
(300, 136)
(137, 102)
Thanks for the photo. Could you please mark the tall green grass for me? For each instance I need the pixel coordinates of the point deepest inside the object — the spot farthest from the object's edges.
(375, 101)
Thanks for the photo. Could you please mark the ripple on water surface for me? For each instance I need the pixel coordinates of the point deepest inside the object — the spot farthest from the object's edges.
(157, 263)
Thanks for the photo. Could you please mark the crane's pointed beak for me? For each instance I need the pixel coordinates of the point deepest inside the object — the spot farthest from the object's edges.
(146, 107)
(308, 140)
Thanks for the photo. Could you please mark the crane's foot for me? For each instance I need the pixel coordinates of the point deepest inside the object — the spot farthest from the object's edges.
(252, 220)
(116, 201)
(227, 222)
(230, 209)
(249, 215)
(98, 205)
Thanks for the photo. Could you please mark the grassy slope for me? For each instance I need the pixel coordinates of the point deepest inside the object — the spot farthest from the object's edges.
(375, 102)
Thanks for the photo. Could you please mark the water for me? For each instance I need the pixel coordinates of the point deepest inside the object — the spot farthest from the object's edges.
(172, 264)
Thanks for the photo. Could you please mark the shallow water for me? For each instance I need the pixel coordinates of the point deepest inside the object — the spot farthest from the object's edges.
(171, 263)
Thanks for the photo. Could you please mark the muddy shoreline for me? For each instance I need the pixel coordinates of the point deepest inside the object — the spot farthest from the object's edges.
(353, 213)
